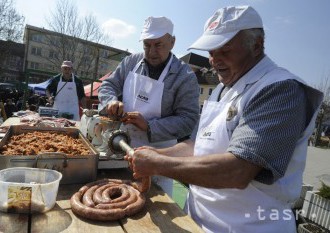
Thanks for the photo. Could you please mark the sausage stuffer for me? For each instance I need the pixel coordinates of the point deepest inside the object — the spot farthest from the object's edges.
(119, 142)
(97, 129)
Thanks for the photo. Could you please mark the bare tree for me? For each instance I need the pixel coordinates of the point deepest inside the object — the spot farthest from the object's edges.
(324, 113)
(324, 86)
(11, 22)
(71, 31)
(11, 28)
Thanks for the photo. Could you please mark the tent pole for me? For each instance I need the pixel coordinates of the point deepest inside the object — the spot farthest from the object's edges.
(92, 89)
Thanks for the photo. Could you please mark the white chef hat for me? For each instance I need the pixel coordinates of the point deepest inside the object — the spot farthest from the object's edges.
(156, 27)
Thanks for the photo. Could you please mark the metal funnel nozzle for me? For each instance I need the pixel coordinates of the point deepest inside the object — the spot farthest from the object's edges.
(119, 142)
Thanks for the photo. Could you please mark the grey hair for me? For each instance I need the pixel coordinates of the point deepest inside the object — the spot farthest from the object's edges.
(251, 36)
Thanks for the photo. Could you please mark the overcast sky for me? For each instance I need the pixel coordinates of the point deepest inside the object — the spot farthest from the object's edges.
(297, 31)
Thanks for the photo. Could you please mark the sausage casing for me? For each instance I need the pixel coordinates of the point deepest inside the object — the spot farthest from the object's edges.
(107, 200)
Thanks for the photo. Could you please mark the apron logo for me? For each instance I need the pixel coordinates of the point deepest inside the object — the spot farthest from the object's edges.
(232, 111)
(143, 96)
(206, 133)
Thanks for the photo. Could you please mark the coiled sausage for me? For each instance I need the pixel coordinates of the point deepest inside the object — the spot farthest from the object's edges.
(108, 199)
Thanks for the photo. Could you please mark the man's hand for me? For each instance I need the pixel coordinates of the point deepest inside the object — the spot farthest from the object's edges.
(115, 108)
(129, 158)
(136, 119)
(142, 162)
(51, 100)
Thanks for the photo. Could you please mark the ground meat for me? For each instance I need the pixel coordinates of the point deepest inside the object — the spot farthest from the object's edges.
(34, 143)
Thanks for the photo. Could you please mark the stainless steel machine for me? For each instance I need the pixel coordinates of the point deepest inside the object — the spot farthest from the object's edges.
(119, 141)
(98, 130)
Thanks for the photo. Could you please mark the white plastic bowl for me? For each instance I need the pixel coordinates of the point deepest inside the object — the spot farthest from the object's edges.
(28, 190)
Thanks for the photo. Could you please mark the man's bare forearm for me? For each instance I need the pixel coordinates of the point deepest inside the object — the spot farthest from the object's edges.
(182, 149)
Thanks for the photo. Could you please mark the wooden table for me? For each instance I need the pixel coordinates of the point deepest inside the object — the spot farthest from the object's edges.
(11, 121)
(160, 214)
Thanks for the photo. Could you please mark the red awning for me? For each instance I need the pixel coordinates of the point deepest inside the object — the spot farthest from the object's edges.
(96, 86)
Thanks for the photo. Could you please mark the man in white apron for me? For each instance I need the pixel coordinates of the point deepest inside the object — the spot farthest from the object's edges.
(154, 93)
(65, 91)
(245, 166)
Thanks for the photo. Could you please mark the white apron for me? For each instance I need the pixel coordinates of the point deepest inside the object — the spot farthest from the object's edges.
(67, 99)
(259, 207)
(144, 95)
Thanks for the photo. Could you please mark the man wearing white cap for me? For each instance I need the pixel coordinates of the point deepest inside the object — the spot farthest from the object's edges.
(245, 166)
(154, 93)
(66, 91)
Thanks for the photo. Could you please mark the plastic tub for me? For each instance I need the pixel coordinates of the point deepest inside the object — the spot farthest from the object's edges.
(28, 190)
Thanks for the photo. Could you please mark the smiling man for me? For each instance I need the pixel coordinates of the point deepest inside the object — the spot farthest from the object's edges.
(247, 160)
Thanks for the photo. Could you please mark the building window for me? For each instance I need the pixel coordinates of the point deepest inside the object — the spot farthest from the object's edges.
(201, 90)
(36, 51)
(104, 54)
(52, 54)
(87, 50)
(50, 67)
(37, 38)
(210, 91)
(200, 108)
(53, 41)
(34, 65)
(12, 62)
(86, 61)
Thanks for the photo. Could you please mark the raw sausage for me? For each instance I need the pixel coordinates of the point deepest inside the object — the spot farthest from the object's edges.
(108, 199)
(143, 185)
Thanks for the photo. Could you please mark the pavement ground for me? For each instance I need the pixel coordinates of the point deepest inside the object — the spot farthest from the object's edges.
(317, 166)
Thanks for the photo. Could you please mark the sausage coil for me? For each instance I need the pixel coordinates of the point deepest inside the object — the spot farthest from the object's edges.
(108, 199)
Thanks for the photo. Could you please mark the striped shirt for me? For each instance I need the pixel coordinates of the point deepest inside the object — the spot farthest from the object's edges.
(269, 128)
